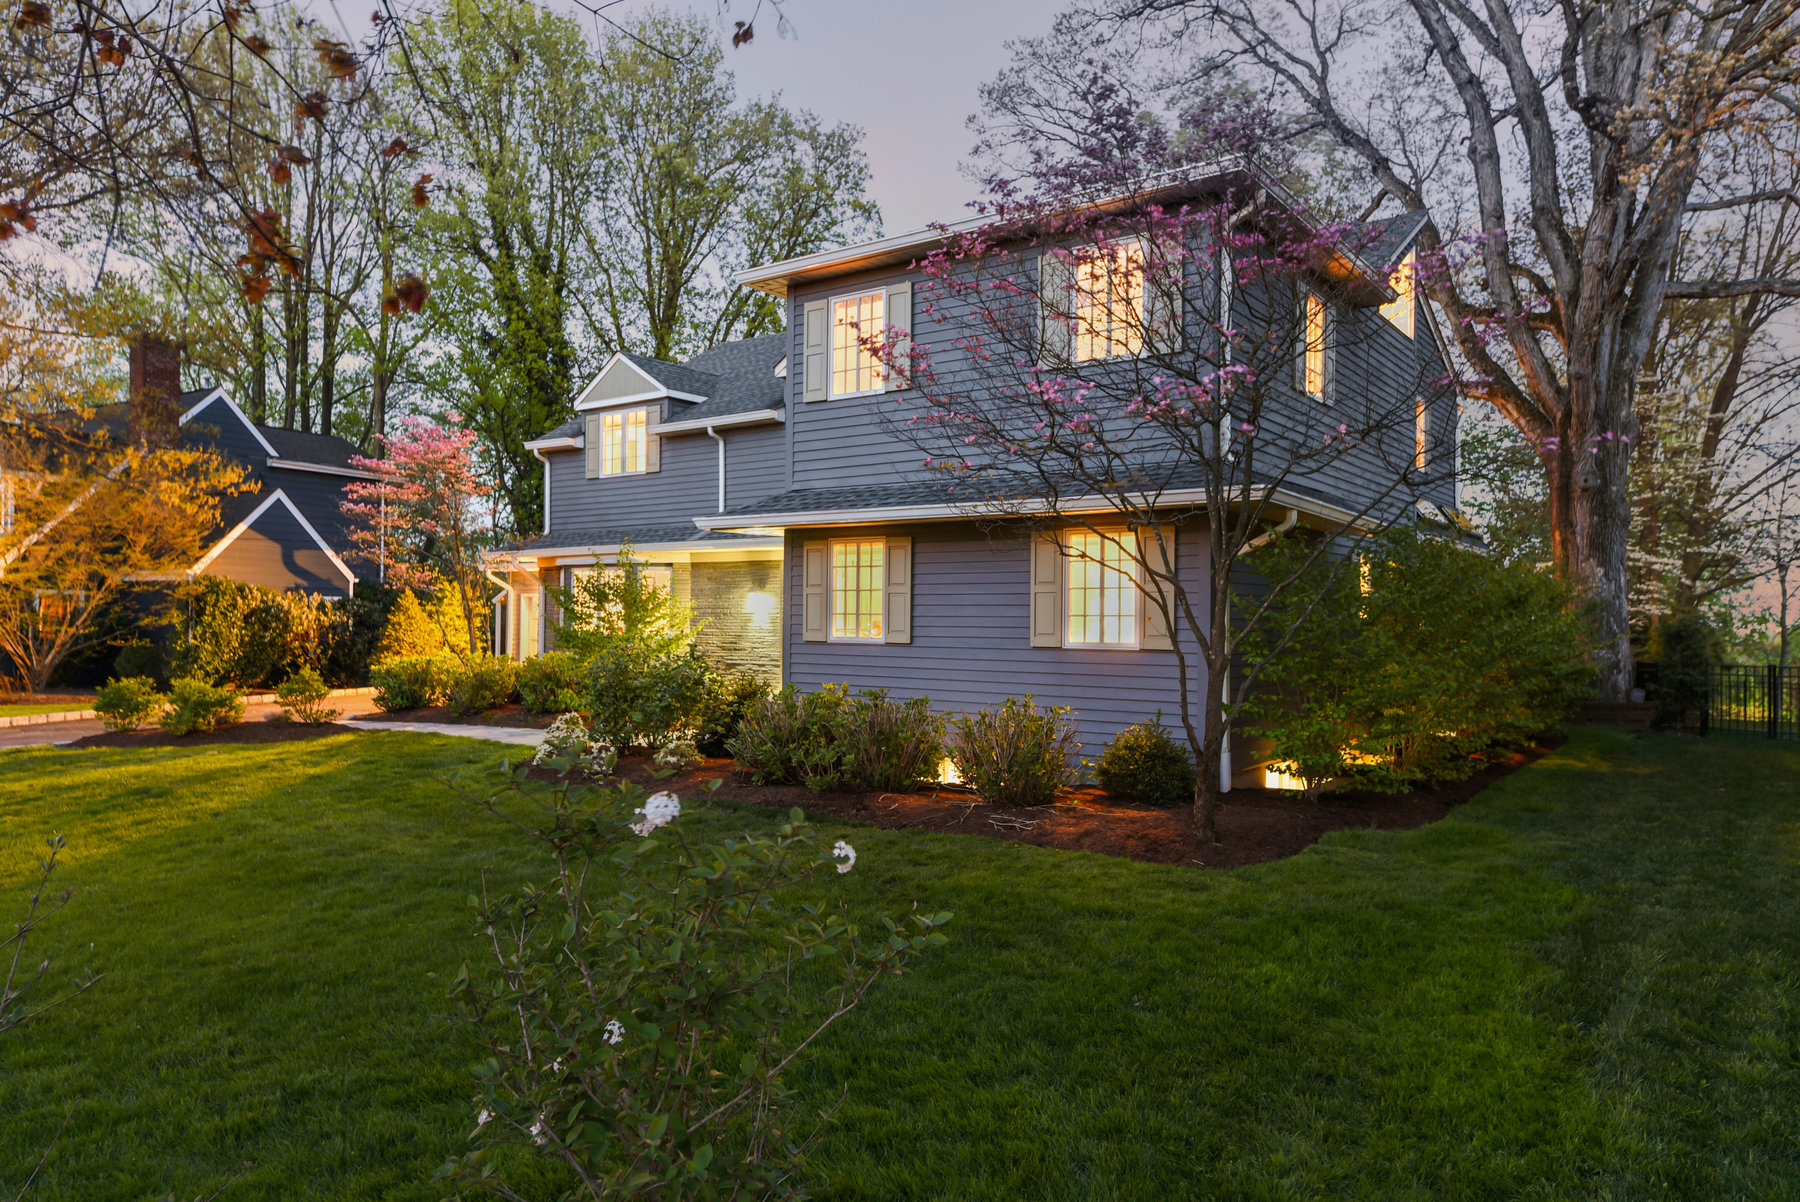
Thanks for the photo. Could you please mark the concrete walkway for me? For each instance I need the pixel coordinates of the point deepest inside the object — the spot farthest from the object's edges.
(55, 734)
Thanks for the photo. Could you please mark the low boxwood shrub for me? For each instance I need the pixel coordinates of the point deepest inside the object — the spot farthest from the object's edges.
(196, 707)
(302, 698)
(128, 703)
(1016, 753)
(1147, 764)
(410, 684)
(831, 740)
(481, 684)
(553, 683)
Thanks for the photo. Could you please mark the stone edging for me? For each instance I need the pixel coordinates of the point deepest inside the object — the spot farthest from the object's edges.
(12, 720)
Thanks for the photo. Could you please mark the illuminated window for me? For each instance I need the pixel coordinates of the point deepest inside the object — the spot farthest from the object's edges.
(1109, 302)
(854, 370)
(1400, 309)
(856, 588)
(1313, 353)
(8, 503)
(624, 436)
(1101, 591)
(1421, 434)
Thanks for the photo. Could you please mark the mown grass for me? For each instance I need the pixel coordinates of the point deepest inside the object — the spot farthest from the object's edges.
(73, 705)
(1580, 985)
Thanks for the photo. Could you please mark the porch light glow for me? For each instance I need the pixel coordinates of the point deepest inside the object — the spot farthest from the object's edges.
(760, 606)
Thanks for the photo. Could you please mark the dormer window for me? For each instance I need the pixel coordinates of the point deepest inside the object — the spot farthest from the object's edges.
(1400, 310)
(855, 371)
(1109, 302)
(622, 441)
(1315, 362)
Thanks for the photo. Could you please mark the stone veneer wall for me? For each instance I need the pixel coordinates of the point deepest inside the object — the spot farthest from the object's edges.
(733, 638)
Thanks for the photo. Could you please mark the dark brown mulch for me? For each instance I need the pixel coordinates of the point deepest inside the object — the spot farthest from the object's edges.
(1255, 825)
(243, 732)
(512, 715)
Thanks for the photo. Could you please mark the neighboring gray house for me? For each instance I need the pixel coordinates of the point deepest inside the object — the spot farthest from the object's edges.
(761, 478)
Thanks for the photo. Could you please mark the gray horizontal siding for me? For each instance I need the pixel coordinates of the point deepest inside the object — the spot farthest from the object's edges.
(756, 463)
(320, 498)
(971, 637)
(277, 553)
(686, 487)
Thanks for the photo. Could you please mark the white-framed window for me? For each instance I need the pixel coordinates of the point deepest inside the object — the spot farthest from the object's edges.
(1421, 434)
(1108, 302)
(858, 584)
(1315, 319)
(1399, 311)
(1100, 591)
(624, 438)
(855, 371)
(8, 504)
(529, 611)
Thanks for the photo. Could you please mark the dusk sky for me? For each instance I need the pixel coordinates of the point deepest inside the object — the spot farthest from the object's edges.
(906, 72)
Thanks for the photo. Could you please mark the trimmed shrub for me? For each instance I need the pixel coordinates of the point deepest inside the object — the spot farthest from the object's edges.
(482, 684)
(553, 683)
(196, 707)
(128, 703)
(140, 658)
(410, 684)
(640, 701)
(246, 635)
(1016, 753)
(302, 697)
(1147, 764)
(830, 740)
(728, 699)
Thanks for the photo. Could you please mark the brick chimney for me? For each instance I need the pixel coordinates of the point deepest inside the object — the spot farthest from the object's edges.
(155, 390)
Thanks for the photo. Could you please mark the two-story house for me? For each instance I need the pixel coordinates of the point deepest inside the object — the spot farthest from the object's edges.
(773, 464)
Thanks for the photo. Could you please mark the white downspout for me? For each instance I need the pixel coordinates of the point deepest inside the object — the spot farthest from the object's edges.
(1268, 536)
(720, 439)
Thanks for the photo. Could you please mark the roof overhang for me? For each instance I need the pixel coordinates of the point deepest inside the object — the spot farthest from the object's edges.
(1361, 281)
(325, 469)
(754, 417)
(652, 390)
(575, 552)
(566, 442)
(1182, 498)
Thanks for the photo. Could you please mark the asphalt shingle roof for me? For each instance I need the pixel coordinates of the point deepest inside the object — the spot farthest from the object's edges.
(310, 448)
(1382, 244)
(677, 377)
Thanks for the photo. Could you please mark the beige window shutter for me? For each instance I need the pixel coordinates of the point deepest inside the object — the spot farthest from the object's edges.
(1331, 340)
(899, 315)
(591, 440)
(1153, 627)
(896, 615)
(1055, 287)
(1163, 332)
(1300, 343)
(815, 569)
(815, 387)
(1046, 591)
(652, 440)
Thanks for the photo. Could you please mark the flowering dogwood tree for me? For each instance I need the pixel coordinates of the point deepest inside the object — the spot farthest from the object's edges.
(423, 523)
(1150, 339)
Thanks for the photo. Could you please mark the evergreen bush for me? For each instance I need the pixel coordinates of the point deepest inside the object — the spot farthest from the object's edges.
(127, 703)
(196, 707)
(481, 684)
(727, 700)
(1684, 649)
(833, 740)
(1147, 764)
(553, 683)
(410, 684)
(302, 697)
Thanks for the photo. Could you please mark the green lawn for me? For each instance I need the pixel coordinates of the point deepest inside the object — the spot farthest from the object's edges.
(1584, 984)
(73, 705)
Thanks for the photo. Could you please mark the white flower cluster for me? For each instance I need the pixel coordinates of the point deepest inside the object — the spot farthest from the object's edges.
(615, 1031)
(843, 851)
(679, 755)
(659, 810)
(569, 739)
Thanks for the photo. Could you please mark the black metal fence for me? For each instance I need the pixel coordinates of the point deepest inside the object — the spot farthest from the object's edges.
(1753, 699)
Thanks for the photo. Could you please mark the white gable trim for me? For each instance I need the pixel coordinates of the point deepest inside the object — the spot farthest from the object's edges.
(218, 394)
(231, 536)
(652, 390)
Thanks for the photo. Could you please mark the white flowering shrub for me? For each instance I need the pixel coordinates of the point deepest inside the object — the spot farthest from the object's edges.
(642, 1008)
(569, 746)
(677, 755)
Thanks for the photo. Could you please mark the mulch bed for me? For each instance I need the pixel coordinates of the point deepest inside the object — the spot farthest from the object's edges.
(244, 732)
(512, 715)
(1255, 825)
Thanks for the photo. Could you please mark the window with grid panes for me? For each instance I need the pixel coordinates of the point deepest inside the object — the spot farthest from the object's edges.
(857, 571)
(1100, 594)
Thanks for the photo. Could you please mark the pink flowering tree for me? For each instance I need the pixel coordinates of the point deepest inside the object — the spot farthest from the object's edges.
(1156, 341)
(424, 523)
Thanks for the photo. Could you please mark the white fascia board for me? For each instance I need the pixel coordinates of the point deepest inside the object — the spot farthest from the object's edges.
(653, 390)
(236, 531)
(1173, 499)
(216, 396)
(323, 469)
(568, 442)
(636, 398)
(590, 552)
(754, 417)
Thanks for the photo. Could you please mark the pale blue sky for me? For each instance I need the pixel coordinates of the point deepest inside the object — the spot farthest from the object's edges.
(905, 70)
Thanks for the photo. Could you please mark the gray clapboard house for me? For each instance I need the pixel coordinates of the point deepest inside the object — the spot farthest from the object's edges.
(761, 479)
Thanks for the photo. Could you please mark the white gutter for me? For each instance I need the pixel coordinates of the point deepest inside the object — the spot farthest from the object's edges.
(720, 439)
(771, 542)
(753, 418)
(569, 442)
(1270, 535)
(324, 469)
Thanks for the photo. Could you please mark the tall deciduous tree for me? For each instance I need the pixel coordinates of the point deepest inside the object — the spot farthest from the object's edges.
(1592, 132)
